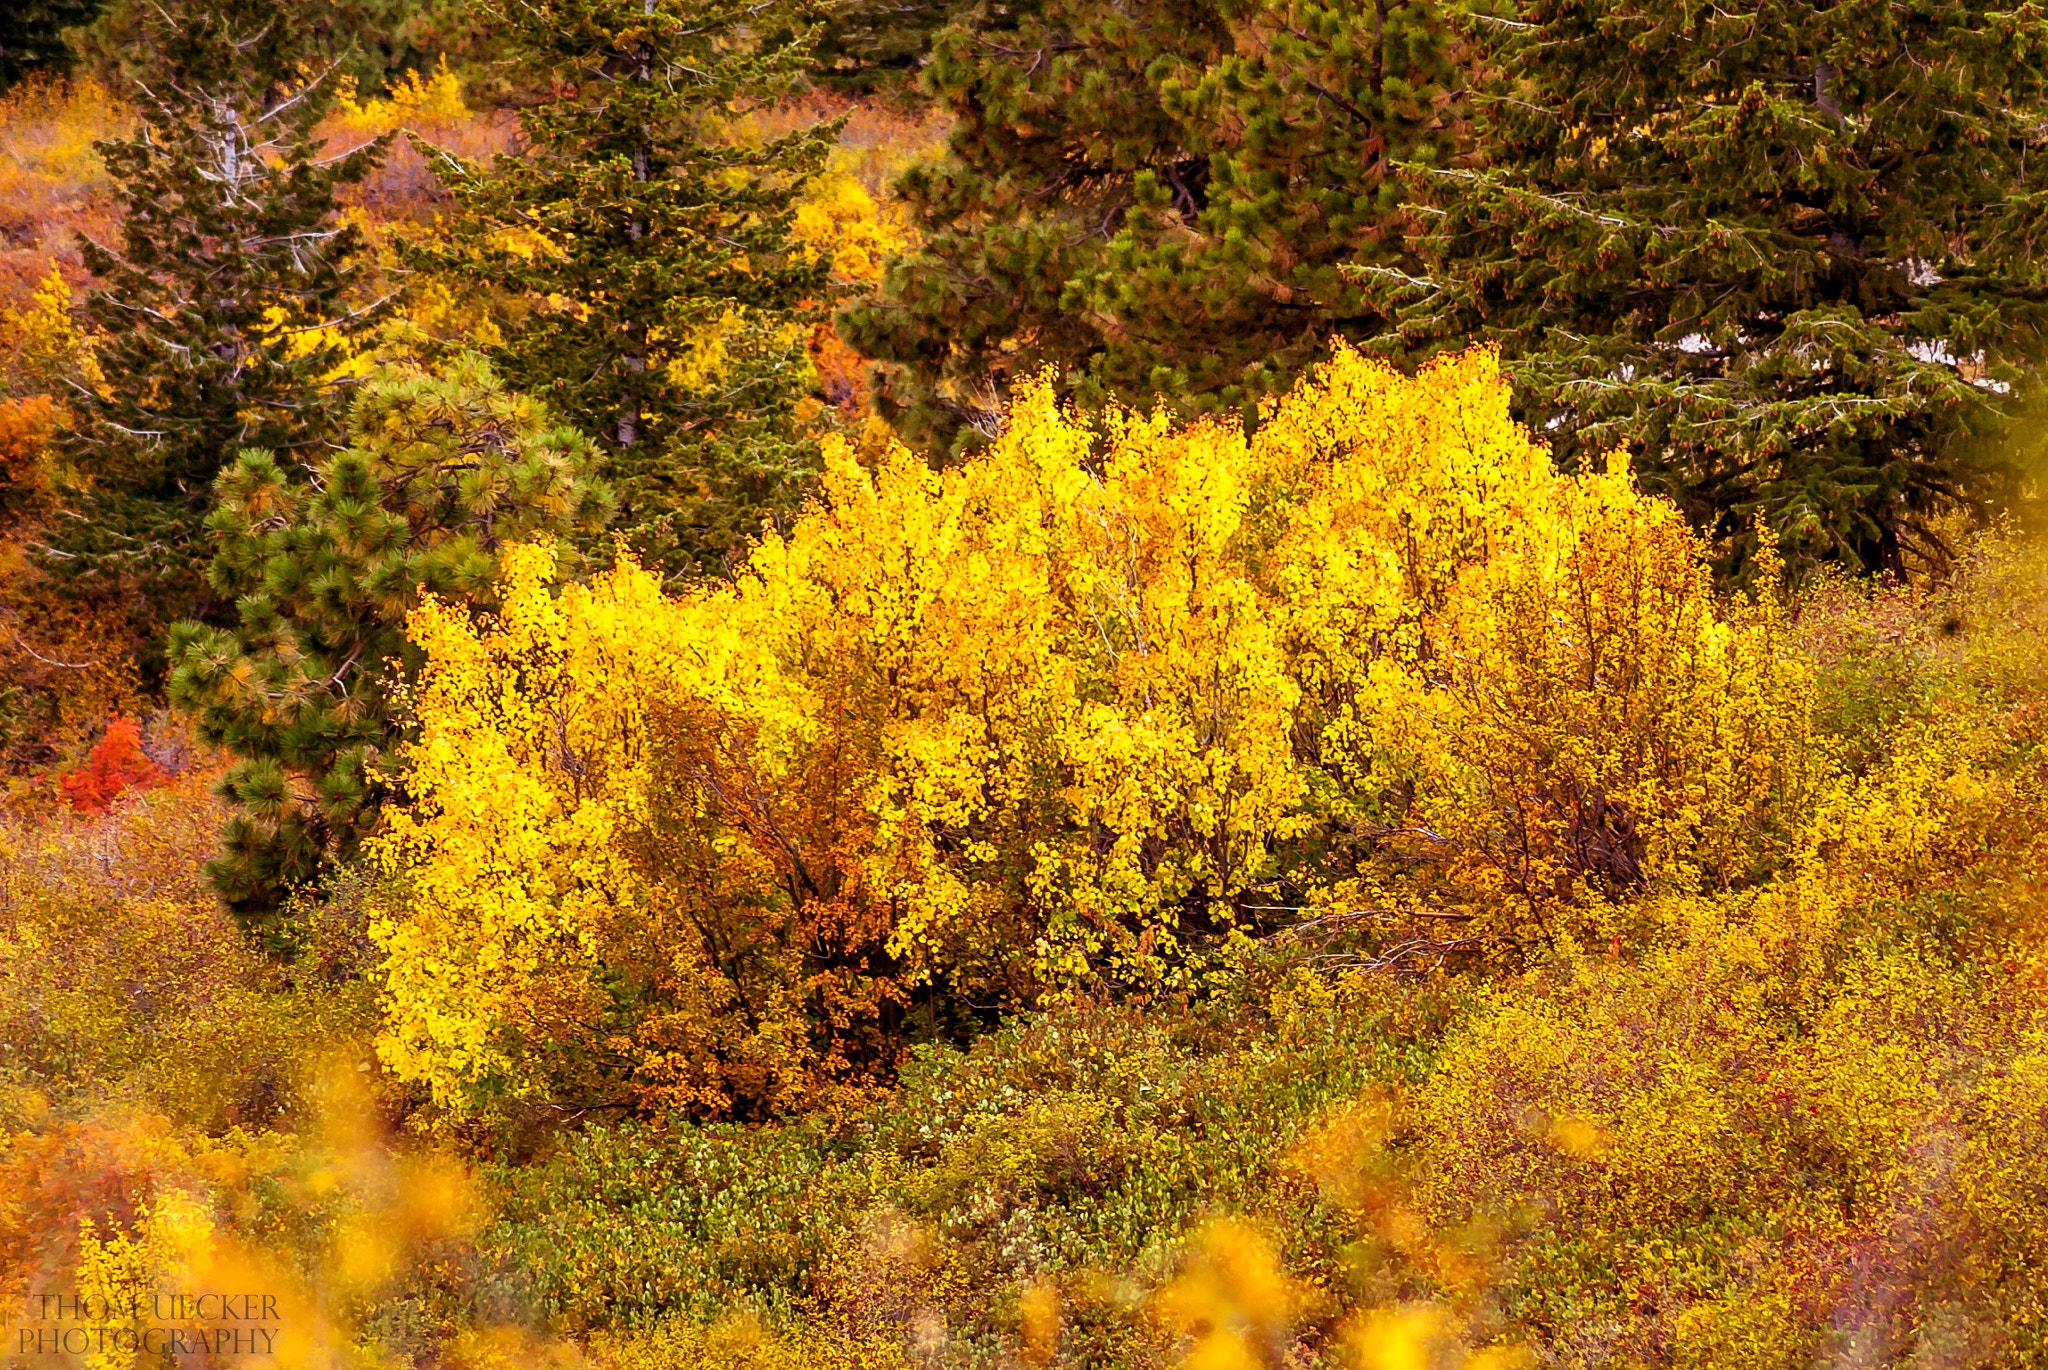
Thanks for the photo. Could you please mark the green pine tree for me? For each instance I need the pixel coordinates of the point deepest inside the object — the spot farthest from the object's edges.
(441, 472)
(877, 47)
(371, 41)
(1786, 257)
(225, 310)
(1157, 198)
(32, 35)
(649, 249)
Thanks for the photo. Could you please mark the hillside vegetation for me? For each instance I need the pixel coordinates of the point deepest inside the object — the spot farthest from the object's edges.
(1139, 686)
(1533, 1078)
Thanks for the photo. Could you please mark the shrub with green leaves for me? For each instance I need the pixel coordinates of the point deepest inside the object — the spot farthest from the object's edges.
(1077, 1141)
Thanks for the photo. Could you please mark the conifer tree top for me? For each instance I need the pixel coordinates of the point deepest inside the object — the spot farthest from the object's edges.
(644, 247)
(1787, 255)
(227, 308)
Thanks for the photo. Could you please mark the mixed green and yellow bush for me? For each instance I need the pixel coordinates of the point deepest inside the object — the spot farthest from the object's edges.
(1102, 705)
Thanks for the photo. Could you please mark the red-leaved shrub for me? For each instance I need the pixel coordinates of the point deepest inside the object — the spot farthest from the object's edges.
(117, 765)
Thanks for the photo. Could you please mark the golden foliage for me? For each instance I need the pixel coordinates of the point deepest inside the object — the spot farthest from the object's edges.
(838, 217)
(412, 103)
(41, 347)
(1097, 704)
(1801, 1114)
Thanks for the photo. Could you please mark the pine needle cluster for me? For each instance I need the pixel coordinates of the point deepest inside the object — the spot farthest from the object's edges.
(1788, 257)
(441, 472)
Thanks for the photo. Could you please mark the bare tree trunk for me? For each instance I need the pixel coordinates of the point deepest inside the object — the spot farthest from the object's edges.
(635, 358)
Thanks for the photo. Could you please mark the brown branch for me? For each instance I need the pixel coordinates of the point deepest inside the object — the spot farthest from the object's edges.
(22, 643)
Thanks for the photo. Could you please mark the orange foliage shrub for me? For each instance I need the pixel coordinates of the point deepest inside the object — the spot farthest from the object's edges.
(26, 426)
(152, 848)
(116, 767)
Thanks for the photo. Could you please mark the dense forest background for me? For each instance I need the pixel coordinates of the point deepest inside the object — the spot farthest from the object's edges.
(1252, 683)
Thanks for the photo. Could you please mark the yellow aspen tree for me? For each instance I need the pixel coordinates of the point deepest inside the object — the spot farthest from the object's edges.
(1096, 709)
